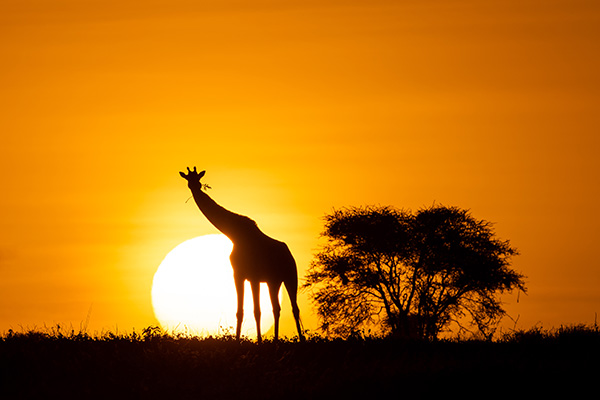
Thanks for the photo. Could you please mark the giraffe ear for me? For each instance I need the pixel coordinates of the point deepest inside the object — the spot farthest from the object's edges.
(182, 174)
(201, 174)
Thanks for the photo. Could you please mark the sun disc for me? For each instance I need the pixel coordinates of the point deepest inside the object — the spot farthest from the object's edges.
(193, 291)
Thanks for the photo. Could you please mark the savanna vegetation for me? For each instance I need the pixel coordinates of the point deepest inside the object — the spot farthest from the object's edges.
(151, 364)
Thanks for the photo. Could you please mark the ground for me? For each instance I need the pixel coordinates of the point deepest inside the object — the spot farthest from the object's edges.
(37, 365)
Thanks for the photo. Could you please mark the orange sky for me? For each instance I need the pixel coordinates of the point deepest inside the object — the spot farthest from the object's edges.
(293, 108)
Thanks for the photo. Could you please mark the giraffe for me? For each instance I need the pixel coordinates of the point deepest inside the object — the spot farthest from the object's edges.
(255, 257)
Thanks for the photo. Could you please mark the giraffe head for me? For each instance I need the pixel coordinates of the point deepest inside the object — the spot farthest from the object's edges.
(193, 177)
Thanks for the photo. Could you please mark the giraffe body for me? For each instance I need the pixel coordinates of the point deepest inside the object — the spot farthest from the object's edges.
(255, 257)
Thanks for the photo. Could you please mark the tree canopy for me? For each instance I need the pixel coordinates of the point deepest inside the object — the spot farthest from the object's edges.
(410, 274)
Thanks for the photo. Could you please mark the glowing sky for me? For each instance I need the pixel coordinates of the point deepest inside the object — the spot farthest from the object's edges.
(293, 108)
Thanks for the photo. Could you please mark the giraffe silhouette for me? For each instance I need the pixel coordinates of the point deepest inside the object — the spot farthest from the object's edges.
(255, 257)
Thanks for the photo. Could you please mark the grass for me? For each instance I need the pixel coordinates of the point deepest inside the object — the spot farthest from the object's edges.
(152, 364)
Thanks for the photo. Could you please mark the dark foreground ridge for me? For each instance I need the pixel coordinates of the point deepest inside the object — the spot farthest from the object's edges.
(154, 365)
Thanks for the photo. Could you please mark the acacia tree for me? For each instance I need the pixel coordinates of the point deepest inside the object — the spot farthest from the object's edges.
(410, 274)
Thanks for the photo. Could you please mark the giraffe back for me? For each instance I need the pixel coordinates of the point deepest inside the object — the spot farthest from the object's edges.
(262, 258)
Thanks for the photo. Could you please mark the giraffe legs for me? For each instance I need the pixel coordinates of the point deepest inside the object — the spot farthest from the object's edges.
(239, 289)
(274, 294)
(292, 288)
(256, 300)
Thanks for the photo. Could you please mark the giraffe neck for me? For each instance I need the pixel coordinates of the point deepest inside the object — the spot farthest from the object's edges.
(232, 225)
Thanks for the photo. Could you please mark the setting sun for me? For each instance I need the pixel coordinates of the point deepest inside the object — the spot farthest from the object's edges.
(193, 290)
